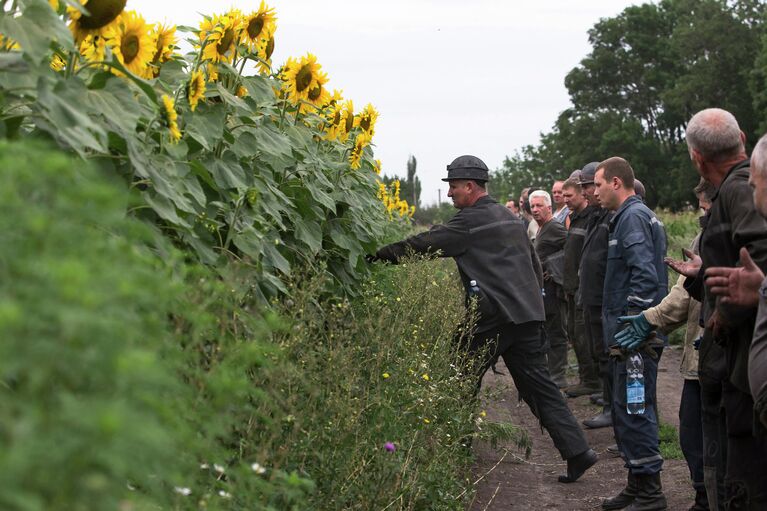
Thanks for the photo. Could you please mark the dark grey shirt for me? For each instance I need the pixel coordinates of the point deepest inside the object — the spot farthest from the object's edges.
(489, 245)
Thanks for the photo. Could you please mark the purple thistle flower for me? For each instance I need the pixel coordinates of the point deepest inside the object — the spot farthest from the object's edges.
(389, 446)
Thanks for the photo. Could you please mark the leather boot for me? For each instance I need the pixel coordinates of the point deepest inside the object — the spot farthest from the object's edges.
(625, 497)
(650, 495)
(603, 420)
(581, 389)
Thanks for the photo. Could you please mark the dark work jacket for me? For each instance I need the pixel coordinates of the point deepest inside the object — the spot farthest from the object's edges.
(489, 245)
(757, 362)
(550, 246)
(636, 277)
(576, 236)
(594, 259)
(732, 223)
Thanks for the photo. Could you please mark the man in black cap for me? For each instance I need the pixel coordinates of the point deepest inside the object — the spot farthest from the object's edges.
(497, 265)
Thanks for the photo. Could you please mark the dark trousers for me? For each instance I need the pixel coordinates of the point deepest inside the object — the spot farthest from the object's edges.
(691, 431)
(637, 434)
(557, 341)
(524, 352)
(588, 364)
(592, 317)
(714, 440)
(745, 481)
(735, 456)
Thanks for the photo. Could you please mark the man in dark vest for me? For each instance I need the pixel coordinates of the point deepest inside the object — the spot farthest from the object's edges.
(580, 215)
(591, 288)
(497, 265)
(550, 245)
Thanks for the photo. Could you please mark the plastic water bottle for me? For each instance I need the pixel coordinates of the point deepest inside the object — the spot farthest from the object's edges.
(635, 384)
(473, 289)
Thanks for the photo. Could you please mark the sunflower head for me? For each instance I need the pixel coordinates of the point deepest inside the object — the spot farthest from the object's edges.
(195, 89)
(347, 120)
(367, 120)
(101, 15)
(318, 96)
(377, 167)
(360, 143)
(302, 76)
(165, 41)
(259, 28)
(171, 118)
(132, 42)
(93, 47)
(219, 36)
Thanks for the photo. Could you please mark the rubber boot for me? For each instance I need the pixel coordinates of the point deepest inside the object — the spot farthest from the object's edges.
(650, 495)
(626, 497)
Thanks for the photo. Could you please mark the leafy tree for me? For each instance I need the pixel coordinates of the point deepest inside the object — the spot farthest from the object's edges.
(650, 69)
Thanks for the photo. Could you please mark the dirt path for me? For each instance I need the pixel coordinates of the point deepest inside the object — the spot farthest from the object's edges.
(532, 484)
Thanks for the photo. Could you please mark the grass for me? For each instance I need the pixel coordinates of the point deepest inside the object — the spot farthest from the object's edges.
(669, 442)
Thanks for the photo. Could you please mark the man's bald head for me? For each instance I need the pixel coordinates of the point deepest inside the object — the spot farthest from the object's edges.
(714, 133)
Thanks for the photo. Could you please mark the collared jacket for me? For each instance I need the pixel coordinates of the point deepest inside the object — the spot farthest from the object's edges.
(576, 237)
(732, 223)
(591, 272)
(635, 277)
(550, 247)
(679, 308)
(489, 244)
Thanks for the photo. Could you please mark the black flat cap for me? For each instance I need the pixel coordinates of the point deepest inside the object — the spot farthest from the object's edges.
(467, 167)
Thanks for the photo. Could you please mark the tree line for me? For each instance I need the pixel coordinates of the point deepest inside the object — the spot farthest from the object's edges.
(649, 70)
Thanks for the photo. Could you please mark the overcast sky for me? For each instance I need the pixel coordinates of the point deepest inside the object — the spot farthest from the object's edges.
(448, 77)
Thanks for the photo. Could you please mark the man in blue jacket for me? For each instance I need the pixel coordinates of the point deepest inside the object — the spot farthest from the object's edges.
(635, 279)
(497, 265)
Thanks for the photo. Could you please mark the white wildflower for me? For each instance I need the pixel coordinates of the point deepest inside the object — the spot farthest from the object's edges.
(257, 468)
(182, 491)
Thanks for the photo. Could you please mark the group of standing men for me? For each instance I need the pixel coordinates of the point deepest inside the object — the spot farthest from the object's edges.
(594, 272)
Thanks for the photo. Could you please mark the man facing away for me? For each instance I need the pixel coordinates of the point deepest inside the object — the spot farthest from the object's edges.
(635, 279)
(491, 249)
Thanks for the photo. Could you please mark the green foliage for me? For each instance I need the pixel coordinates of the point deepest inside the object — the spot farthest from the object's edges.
(251, 178)
(123, 368)
(383, 368)
(669, 442)
(133, 377)
(650, 69)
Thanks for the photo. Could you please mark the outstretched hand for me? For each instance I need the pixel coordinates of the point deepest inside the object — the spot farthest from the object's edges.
(687, 268)
(736, 286)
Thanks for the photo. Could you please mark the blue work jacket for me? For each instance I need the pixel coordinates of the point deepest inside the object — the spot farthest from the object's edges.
(635, 278)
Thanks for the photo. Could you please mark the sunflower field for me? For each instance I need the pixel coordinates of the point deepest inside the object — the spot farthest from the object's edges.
(187, 317)
(233, 155)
